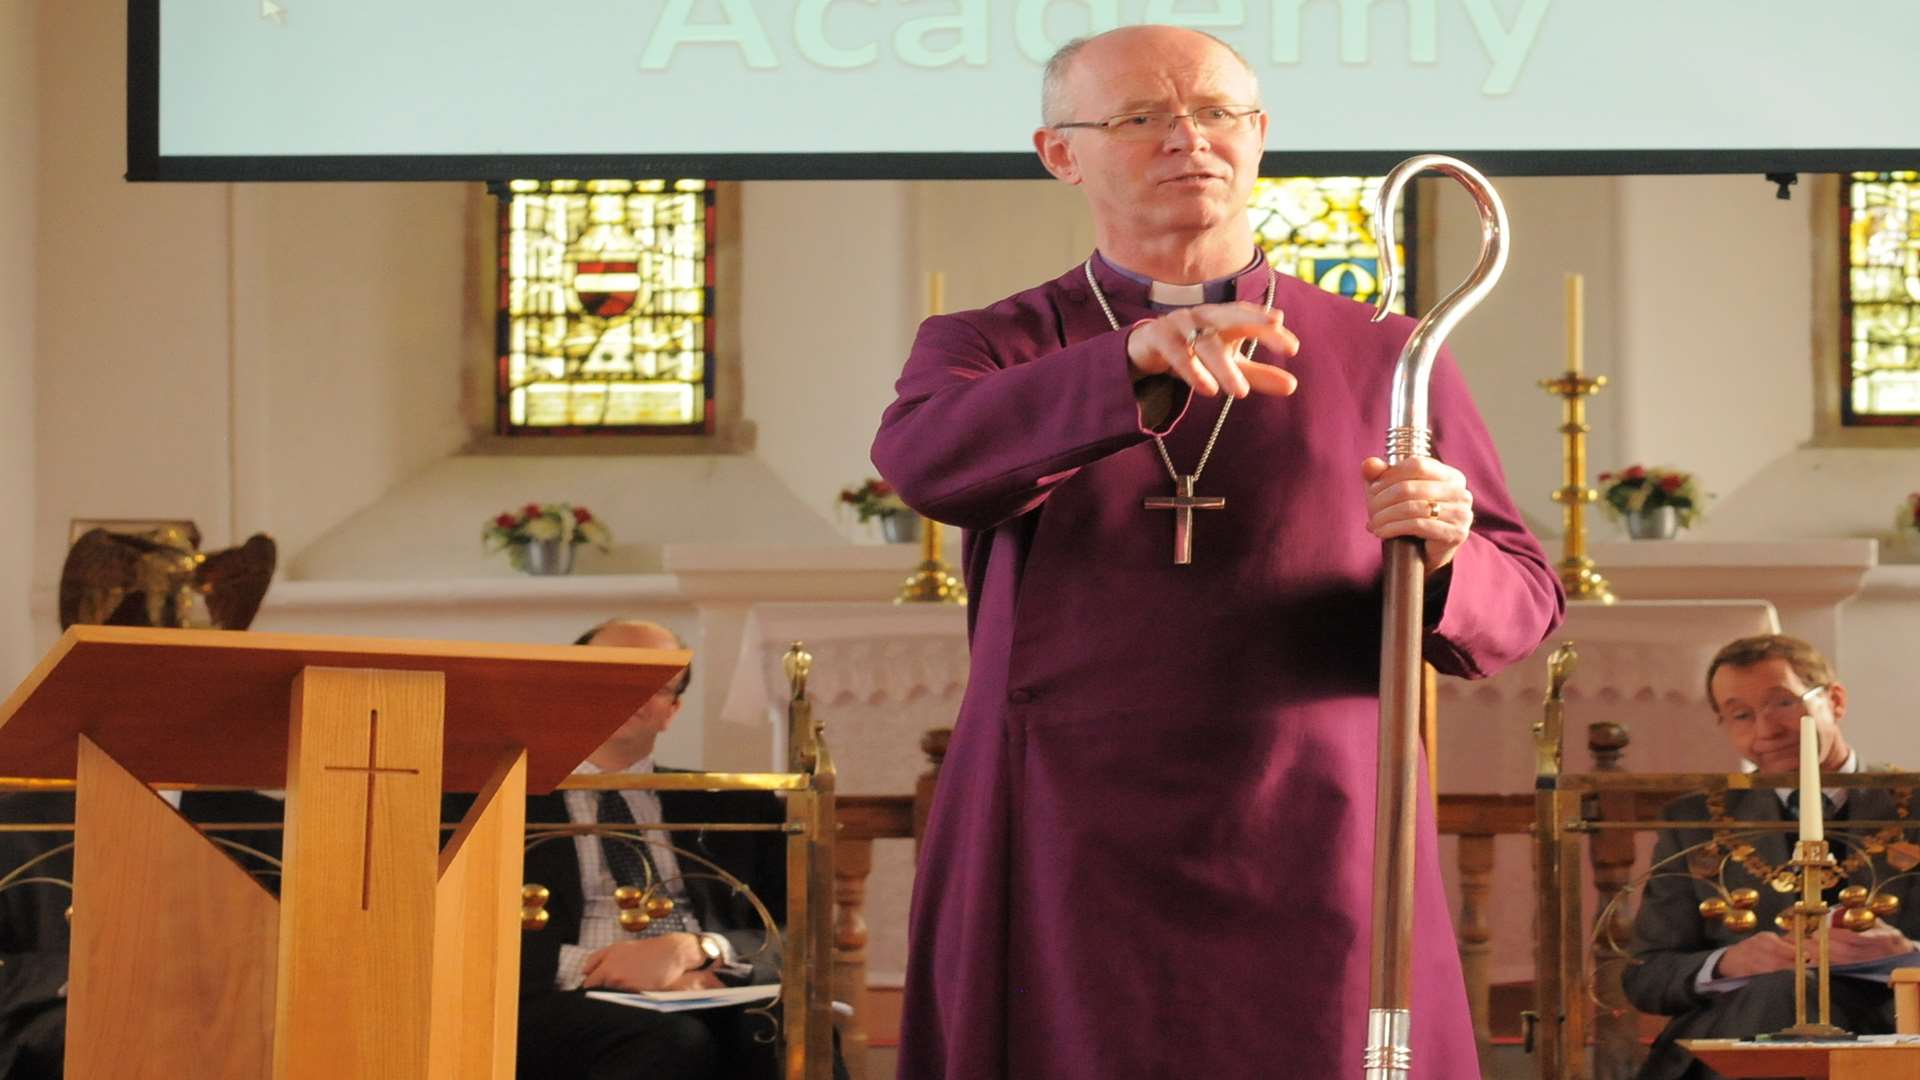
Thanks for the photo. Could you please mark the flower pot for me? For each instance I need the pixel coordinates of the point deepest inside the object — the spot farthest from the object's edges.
(1904, 547)
(547, 557)
(900, 528)
(1654, 523)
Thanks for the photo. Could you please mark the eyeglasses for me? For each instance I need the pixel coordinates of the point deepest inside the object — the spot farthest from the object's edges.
(1147, 126)
(1782, 703)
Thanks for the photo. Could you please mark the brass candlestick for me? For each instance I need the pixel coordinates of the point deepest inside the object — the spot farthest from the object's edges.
(1816, 864)
(1577, 573)
(932, 583)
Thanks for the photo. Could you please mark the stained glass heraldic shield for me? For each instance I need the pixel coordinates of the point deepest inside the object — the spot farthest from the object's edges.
(606, 308)
(1880, 305)
(1320, 229)
(606, 311)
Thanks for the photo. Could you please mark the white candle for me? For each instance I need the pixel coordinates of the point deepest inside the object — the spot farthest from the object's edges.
(1576, 322)
(1811, 827)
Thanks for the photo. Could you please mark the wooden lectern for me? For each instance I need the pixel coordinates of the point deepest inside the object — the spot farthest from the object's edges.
(383, 956)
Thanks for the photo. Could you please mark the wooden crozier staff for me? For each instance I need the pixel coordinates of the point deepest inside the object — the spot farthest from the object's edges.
(1390, 997)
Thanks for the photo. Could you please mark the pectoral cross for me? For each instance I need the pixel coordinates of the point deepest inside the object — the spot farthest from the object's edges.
(373, 769)
(1183, 503)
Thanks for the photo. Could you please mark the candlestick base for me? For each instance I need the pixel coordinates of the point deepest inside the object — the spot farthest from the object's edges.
(932, 584)
(1807, 1033)
(1582, 582)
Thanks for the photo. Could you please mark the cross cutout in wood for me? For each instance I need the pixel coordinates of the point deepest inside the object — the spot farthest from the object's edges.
(1183, 503)
(373, 769)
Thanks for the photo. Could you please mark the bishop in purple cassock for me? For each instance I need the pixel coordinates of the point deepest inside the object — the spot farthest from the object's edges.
(1150, 851)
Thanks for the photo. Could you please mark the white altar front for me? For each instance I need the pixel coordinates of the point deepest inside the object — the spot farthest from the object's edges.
(883, 674)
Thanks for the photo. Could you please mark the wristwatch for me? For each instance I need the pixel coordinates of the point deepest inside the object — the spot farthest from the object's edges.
(709, 949)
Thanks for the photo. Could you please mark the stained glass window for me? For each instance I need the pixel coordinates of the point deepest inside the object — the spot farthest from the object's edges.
(1880, 307)
(606, 307)
(1320, 229)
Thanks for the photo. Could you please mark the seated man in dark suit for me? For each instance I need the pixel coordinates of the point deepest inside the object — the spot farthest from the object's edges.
(1684, 965)
(712, 937)
(33, 925)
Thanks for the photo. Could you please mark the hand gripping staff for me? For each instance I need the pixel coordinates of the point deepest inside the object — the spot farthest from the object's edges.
(1390, 996)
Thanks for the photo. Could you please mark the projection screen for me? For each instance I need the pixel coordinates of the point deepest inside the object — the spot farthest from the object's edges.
(759, 89)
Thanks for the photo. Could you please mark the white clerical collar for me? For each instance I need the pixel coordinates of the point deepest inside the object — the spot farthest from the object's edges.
(588, 768)
(1165, 294)
(1837, 794)
(1159, 292)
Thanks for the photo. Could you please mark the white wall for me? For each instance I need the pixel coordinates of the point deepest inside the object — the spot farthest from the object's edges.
(355, 314)
(993, 238)
(19, 186)
(830, 299)
(1716, 326)
(130, 391)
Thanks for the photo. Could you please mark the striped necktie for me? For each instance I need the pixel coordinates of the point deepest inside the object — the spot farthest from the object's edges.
(631, 864)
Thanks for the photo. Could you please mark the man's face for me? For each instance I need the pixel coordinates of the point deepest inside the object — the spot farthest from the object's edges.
(1185, 180)
(1760, 709)
(637, 735)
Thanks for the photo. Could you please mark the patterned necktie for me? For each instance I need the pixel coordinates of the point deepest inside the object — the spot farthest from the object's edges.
(631, 864)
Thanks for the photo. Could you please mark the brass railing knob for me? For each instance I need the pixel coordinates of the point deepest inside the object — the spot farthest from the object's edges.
(533, 906)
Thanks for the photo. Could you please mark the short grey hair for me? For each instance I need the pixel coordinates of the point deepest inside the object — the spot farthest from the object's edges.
(1053, 81)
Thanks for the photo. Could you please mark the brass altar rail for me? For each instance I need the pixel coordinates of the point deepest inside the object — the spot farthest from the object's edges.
(1674, 784)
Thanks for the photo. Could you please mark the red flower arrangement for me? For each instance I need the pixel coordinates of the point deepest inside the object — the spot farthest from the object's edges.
(562, 522)
(1907, 518)
(873, 498)
(1637, 488)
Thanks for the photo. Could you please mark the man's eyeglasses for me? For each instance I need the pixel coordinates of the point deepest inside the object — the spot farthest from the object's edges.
(1785, 703)
(1147, 126)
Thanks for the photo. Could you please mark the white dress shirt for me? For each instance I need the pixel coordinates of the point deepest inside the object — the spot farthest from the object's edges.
(600, 916)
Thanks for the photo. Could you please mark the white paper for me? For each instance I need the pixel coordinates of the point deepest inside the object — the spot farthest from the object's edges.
(685, 1000)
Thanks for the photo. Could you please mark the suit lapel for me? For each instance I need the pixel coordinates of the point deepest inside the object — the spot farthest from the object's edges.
(554, 863)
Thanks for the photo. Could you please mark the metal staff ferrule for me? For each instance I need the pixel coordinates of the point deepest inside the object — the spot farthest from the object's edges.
(1389, 1039)
(1403, 443)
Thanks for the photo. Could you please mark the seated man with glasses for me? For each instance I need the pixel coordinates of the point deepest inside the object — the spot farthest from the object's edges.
(1723, 983)
(712, 935)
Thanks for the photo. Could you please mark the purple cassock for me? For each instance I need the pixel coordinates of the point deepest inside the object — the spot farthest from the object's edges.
(1150, 853)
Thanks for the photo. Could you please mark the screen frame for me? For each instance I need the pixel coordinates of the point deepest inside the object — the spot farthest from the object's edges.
(145, 163)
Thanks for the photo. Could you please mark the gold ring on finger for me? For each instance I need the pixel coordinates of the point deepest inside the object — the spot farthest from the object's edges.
(1433, 508)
